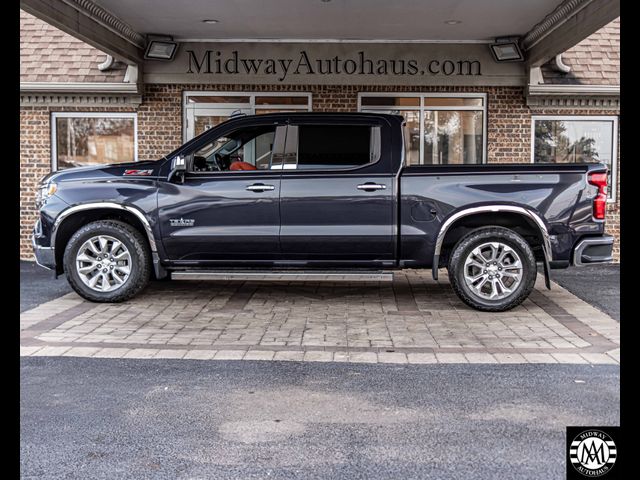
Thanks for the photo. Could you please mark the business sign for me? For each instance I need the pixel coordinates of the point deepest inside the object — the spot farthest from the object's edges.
(334, 64)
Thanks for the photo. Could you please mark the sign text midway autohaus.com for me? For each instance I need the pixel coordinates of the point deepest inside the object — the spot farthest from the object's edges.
(216, 62)
(318, 63)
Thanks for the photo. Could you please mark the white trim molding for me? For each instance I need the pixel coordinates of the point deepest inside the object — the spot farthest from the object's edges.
(78, 87)
(547, 95)
(80, 93)
(564, 89)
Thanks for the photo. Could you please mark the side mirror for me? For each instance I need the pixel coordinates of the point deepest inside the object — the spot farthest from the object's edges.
(178, 169)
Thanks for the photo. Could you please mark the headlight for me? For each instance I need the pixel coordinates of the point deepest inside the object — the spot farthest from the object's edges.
(44, 192)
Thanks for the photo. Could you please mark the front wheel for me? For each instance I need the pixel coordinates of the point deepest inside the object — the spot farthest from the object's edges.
(492, 269)
(107, 261)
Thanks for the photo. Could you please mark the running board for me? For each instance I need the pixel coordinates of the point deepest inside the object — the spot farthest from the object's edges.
(284, 275)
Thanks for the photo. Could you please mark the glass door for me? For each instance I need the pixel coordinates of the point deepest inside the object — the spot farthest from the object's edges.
(202, 119)
(205, 110)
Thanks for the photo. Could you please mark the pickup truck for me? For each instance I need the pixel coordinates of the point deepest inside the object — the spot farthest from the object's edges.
(318, 192)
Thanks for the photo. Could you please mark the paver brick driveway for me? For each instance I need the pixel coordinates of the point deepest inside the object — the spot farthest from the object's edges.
(414, 319)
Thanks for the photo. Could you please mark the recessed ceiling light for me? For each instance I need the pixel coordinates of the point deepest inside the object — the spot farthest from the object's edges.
(211, 21)
(453, 22)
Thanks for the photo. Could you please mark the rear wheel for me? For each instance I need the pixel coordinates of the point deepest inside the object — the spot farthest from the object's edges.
(107, 261)
(492, 269)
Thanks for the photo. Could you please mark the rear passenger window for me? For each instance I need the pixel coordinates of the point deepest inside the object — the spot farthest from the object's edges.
(337, 146)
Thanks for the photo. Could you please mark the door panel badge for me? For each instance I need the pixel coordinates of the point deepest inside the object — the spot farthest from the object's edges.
(182, 222)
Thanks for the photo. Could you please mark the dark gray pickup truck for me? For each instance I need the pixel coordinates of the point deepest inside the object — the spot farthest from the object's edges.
(318, 193)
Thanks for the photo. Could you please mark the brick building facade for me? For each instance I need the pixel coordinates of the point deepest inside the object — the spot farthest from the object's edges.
(49, 55)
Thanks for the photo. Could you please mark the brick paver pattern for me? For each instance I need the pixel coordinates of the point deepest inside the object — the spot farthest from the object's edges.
(414, 319)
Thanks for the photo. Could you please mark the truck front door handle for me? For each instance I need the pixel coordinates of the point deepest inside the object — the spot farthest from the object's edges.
(370, 187)
(259, 187)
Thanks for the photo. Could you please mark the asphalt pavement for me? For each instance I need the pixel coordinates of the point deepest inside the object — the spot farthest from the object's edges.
(164, 419)
(598, 285)
(39, 285)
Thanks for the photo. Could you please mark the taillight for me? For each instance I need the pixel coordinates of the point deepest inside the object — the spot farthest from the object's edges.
(599, 179)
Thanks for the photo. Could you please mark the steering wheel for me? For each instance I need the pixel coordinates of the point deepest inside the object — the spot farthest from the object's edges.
(219, 161)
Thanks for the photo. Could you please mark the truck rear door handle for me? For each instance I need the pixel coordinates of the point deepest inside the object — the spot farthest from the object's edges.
(370, 186)
(260, 187)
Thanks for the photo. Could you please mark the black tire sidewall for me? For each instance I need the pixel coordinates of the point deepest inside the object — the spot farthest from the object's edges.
(140, 259)
(483, 235)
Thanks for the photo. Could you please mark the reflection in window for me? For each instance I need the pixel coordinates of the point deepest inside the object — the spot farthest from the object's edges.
(217, 99)
(412, 136)
(452, 137)
(439, 130)
(570, 140)
(391, 101)
(282, 100)
(205, 122)
(246, 149)
(82, 141)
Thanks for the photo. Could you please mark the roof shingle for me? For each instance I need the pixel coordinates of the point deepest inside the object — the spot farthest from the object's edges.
(593, 61)
(48, 54)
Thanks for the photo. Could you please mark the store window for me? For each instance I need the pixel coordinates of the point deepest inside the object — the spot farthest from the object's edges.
(92, 138)
(204, 110)
(441, 129)
(573, 139)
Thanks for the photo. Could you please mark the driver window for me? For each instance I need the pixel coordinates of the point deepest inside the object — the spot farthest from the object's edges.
(249, 148)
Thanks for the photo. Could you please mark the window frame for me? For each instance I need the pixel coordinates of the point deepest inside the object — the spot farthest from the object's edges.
(315, 122)
(338, 169)
(612, 197)
(56, 115)
(421, 109)
(190, 156)
(187, 107)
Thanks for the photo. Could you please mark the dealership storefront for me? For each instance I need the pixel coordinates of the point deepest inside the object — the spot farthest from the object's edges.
(461, 105)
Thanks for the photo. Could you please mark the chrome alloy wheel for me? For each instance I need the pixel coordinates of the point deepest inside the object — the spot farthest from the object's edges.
(103, 263)
(493, 271)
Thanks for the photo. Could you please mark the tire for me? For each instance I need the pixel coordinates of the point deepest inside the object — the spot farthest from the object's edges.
(488, 292)
(129, 252)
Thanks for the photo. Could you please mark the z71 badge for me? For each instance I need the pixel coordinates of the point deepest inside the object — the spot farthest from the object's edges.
(142, 173)
(182, 222)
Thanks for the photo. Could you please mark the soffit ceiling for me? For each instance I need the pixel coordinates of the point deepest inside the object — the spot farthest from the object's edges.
(417, 20)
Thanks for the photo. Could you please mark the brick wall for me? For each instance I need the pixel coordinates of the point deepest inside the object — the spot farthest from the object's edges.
(160, 130)
(612, 223)
(35, 161)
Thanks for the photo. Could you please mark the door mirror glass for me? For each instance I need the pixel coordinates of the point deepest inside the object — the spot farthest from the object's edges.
(178, 169)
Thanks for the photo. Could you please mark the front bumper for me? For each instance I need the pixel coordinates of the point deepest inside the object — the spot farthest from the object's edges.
(45, 256)
(593, 250)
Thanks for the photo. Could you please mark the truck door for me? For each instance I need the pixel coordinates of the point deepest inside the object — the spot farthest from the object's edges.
(337, 192)
(227, 209)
